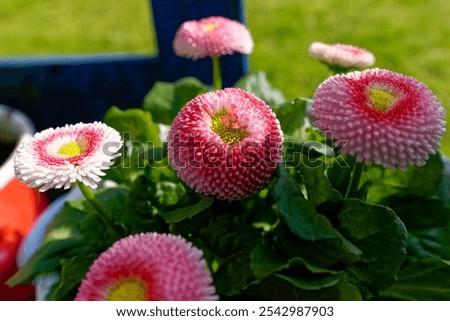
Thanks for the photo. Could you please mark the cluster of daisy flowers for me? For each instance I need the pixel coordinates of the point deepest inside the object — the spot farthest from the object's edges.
(227, 144)
(138, 267)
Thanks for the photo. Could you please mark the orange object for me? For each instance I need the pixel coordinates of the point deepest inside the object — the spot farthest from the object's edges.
(19, 207)
(19, 204)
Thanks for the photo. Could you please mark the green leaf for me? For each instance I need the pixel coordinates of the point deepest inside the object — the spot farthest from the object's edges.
(381, 235)
(139, 134)
(317, 184)
(135, 125)
(46, 259)
(231, 242)
(340, 171)
(347, 291)
(258, 84)
(94, 230)
(444, 186)
(168, 194)
(427, 279)
(297, 152)
(283, 289)
(155, 154)
(138, 202)
(419, 212)
(225, 234)
(422, 181)
(73, 270)
(285, 112)
(311, 284)
(299, 213)
(66, 225)
(265, 261)
(113, 199)
(233, 275)
(303, 219)
(166, 99)
(188, 211)
(299, 136)
(78, 219)
(432, 242)
(427, 220)
(141, 212)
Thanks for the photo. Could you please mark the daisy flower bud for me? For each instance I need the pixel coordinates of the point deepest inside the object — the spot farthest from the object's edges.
(148, 267)
(58, 157)
(212, 37)
(342, 55)
(380, 117)
(225, 143)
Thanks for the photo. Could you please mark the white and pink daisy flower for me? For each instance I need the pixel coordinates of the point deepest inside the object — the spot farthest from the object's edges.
(380, 117)
(342, 55)
(225, 143)
(212, 37)
(148, 267)
(59, 157)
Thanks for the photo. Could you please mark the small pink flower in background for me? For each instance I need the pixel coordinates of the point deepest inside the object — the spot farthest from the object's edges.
(148, 267)
(225, 143)
(58, 157)
(380, 117)
(342, 55)
(212, 37)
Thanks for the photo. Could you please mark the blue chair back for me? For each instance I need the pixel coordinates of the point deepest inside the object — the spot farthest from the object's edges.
(59, 89)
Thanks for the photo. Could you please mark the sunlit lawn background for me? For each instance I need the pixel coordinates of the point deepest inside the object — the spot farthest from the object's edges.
(407, 36)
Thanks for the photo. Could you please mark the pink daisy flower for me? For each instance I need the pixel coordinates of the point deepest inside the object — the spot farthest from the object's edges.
(212, 37)
(148, 267)
(342, 55)
(58, 157)
(225, 143)
(380, 117)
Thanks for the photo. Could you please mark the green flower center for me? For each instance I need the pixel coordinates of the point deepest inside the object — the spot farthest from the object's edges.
(226, 126)
(70, 149)
(130, 289)
(381, 100)
(209, 27)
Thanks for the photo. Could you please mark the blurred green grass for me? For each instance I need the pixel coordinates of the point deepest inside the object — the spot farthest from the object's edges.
(76, 26)
(407, 36)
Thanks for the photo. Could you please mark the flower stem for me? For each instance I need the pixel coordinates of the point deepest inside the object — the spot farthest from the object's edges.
(102, 213)
(354, 181)
(336, 69)
(217, 74)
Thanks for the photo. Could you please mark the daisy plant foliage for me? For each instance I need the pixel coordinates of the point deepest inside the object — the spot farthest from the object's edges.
(342, 195)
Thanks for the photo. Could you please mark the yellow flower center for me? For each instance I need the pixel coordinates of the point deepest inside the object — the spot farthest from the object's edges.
(130, 289)
(70, 149)
(381, 100)
(226, 126)
(209, 27)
